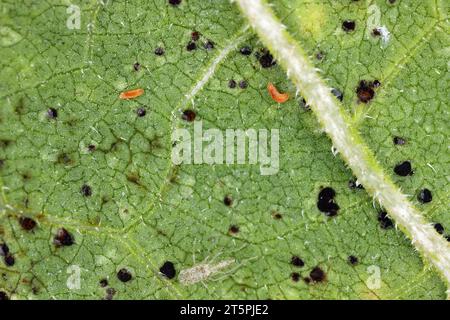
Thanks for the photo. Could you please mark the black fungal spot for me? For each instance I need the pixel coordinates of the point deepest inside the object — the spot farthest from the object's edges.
(399, 141)
(354, 184)
(91, 148)
(110, 292)
(103, 283)
(137, 66)
(439, 228)
(320, 55)
(159, 51)
(234, 229)
(266, 59)
(195, 35)
(376, 83)
(174, 2)
(243, 84)
(86, 190)
(4, 249)
(365, 91)
(63, 238)
(317, 274)
(326, 203)
(141, 112)
(9, 260)
(27, 224)
(295, 276)
(352, 260)
(376, 32)
(52, 113)
(392, 1)
(384, 220)
(228, 201)
(297, 261)
(191, 46)
(338, 94)
(188, 115)
(2, 163)
(307, 280)
(448, 238)
(232, 84)
(3, 296)
(425, 196)
(168, 270)
(277, 215)
(403, 169)
(246, 51)
(208, 45)
(304, 105)
(124, 275)
(348, 25)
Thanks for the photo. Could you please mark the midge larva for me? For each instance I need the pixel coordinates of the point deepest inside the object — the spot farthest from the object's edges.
(131, 94)
(276, 95)
(202, 271)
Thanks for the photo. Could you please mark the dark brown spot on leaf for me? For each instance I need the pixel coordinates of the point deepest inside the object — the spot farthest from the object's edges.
(326, 203)
(27, 224)
(52, 113)
(3, 296)
(295, 276)
(86, 190)
(243, 84)
(234, 229)
(403, 169)
(195, 35)
(159, 51)
(141, 112)
(4, 249)
(348, 25)
(232, 84)
(174, 2)
(188, 115)
(124, 275)
(110, 292)
(352, 260)
(384, 220)
(168, 270)
(425, 196)
(296, 261)
(191, 46)
(354, 184)
(63, 238)
(365, 91)
(317, 274)
(246, 51)
(208, 45)
(228, 201)
(266, 59)
(9, 260)
(399, 141)
(338, 94)
(439, 228)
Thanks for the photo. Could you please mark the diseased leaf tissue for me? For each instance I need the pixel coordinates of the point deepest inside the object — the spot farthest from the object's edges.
(92, 206)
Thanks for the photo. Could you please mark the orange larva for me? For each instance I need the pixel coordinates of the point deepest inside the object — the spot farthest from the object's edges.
(131, 94)
(276, 95)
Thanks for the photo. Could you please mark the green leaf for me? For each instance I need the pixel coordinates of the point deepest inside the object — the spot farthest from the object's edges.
(105, 174)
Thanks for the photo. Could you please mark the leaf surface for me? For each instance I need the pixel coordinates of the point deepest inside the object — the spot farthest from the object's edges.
(143, 212)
